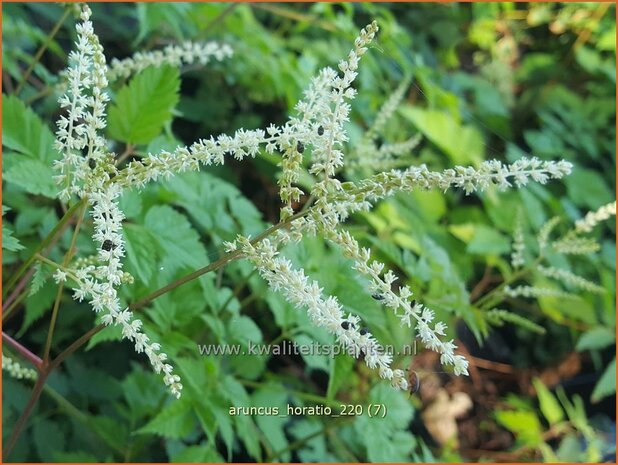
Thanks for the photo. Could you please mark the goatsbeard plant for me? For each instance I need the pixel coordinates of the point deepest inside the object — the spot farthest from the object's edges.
(316, 133)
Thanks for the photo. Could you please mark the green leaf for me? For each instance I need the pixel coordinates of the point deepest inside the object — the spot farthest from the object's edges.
(24, 132)
(549, 405)
(463, 144)
(386, 438)
(174, 421)
(113, 432)
(488, 241)
(37, 305)
(607, 384)
(226, 210)
(142, 251)
(31, 174)
(179, 241)
(587, 188)
(197, 454)
(109, 333)
(144, 105)
(243, 329)
(341, 367)
(525, 425)
(48, 438)
(273, 426)
(29, 163)
(596, 338)
(41, 274)
(9, 242)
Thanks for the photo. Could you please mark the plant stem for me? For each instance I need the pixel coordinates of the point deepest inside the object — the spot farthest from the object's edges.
(20, 286)
(128, 150)
(213, 266)
(217, 20)
(67, 259)
(44, 243)
(492, 295)
(237, 290)
(73, 347)
(21, 422)
(23, 351)
(9, 312)
(41, 50)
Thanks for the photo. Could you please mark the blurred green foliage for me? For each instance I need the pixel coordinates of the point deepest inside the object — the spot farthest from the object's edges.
(492, 80)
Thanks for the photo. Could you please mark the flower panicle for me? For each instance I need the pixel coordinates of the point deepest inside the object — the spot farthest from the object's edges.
(519, 245)
(85, 171)
(78, 137)
(410, 312)
(186, 53)
(569, 278)
(16, 370)
(588, 222)
(324, 311)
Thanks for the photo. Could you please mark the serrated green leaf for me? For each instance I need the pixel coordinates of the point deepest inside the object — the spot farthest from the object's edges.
(41, 274)
(144, 105)
(174, 421)
(226, 209)
(29, 163)
(549, 405)
(143, 392)
(37, 305)
(32, 175)
(607, 384)
(24, 132)
(178, 240)
(9, 242)
(383, 435)
(142, 251)
(596, 338)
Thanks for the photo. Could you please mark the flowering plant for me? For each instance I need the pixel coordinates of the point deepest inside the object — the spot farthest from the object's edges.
(327, 175)
(319, 127)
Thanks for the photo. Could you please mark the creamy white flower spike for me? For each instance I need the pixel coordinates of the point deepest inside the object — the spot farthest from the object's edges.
(593, 218)
(78, 137)
(16, 370)
(187, 53)
(325, 312)
(410, 312)
(86, 169)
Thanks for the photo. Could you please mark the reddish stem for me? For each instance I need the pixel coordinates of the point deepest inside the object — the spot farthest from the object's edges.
(23, 351)
(9, 300)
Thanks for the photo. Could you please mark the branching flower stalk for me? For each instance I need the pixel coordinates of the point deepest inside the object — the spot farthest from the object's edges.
(570, 243)
(88, 177)
(316, 133)
(372, 153)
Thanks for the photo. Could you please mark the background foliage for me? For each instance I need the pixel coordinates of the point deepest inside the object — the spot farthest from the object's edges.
(489, 81)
